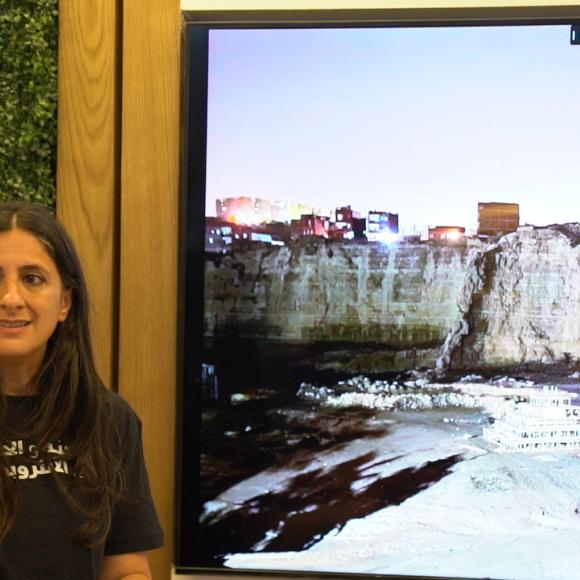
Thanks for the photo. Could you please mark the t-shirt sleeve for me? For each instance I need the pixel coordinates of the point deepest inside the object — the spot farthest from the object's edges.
(135, 525)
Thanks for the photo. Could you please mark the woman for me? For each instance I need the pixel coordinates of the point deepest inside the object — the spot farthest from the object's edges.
(74, 496)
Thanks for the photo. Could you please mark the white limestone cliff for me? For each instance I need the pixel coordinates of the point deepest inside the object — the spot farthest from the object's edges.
(510, 301)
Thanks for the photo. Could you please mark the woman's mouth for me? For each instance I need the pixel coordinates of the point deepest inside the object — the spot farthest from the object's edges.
(13, 323)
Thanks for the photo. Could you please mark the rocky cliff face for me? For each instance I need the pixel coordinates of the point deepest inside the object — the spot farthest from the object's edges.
(528, 307)
(409, 305)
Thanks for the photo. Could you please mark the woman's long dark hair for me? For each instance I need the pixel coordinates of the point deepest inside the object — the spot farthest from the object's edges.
(74, 405)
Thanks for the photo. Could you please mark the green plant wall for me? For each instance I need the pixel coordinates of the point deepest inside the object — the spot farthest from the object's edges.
(28, 100)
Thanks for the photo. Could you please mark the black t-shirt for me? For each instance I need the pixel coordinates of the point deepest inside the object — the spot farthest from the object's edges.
(42, 544)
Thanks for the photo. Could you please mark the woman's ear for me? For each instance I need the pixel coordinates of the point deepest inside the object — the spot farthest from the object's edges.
(65, 304)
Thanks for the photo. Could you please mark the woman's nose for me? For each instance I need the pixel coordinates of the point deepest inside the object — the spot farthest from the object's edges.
(10, 295)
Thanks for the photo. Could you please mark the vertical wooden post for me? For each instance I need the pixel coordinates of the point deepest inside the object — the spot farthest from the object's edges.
(117, 189)
(88, 148)
(148, 243)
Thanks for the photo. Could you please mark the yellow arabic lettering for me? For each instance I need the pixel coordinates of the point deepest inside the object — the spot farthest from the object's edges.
(15, 448)
(23, 472)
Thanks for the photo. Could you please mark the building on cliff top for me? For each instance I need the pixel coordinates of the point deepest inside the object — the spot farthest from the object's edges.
(496, 218)
(343, 227)
(382, 225)
(223, 236)
(448, 234)
(310, 225)
(254, 210)
(548, 422)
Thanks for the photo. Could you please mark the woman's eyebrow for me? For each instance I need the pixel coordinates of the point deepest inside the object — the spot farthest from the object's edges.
(28, 268)
(33, 267)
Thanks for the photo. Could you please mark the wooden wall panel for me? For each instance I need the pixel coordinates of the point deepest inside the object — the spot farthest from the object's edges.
(148, 280)
(87, 152)
(118, 160)
(118, 166)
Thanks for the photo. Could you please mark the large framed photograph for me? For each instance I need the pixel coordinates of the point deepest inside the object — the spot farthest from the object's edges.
(381, 299)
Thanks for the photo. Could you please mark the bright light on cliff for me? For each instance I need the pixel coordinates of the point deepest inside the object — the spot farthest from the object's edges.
(388, 237)
(241, 217)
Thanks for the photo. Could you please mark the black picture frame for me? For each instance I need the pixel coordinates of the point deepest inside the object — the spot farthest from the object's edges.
(197, 27)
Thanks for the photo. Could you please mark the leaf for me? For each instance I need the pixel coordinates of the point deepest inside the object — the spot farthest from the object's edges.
(28, 99)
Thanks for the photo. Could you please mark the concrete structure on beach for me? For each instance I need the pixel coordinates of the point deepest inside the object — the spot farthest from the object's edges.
(547, 422)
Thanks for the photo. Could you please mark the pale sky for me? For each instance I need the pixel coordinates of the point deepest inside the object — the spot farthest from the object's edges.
(421, 122)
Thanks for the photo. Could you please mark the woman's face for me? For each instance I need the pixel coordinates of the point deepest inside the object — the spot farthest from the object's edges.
(32, 300)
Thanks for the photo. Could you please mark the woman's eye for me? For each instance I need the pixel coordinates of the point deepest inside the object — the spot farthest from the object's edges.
(33, 279)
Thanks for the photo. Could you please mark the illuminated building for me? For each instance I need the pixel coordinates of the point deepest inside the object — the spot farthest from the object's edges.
(310, 225)
(382, 225)
(343, 227)
(495, 218)
(255, 210)
(221, 235)
(242, 210)
(451, 234)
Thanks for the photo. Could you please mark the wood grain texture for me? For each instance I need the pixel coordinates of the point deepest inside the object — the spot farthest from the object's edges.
(148, 277)
(87, 149)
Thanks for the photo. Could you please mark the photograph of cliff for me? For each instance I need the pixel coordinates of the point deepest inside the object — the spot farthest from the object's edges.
(392, 302)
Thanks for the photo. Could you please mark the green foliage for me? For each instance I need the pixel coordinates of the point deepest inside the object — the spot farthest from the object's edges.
(28, 100)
